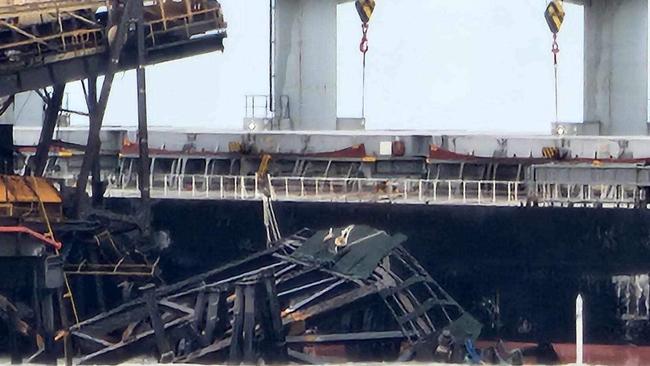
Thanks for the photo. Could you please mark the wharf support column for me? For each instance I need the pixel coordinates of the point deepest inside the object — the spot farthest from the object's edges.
(616, 65)
(305, 62)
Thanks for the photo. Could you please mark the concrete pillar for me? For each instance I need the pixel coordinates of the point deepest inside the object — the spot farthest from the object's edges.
(305, 62)
(616, 65)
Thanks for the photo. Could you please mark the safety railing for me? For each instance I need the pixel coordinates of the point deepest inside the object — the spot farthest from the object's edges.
(480, 192)
(396, 190)
(191, 186)
(586, 195)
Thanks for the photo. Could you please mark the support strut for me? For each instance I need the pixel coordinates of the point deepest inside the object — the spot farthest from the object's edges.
(143, 141)
(93, 144)
(49, 124)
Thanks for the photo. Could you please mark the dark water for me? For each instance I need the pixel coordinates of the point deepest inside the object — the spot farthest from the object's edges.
(531, 261)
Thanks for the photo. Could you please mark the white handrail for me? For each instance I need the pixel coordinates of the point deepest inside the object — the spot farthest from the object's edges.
(406, 190)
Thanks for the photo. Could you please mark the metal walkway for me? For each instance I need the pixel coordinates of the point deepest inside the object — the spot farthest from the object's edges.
(546, 185)
(411, 191)
(52, 42)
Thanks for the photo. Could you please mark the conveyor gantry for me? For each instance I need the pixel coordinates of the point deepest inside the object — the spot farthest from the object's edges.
(44, 43)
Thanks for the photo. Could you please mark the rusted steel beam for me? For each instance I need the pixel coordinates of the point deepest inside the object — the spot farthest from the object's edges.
(250, 310)
(274, 309)
(272, 323)
(346, 337)
(165, 351)
(238, 325)
(49, 125)
(334, 303)
(304, 358)
(65, 323)
(215, 316)
(199, 309)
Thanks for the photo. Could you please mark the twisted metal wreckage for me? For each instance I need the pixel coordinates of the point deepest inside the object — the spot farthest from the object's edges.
(350, 293)
(343, 294)
(343, 286)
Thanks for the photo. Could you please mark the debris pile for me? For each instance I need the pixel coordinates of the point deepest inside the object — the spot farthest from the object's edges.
(343, 294)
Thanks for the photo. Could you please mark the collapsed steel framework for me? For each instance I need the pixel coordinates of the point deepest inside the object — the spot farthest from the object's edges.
(50, 43)
(342, 287)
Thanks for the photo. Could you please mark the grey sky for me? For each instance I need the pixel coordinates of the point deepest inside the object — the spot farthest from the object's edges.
(432, 64)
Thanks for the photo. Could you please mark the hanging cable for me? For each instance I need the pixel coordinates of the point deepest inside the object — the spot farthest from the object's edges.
(363, 47)
(555, 50)
(554, 15)
(365, 9)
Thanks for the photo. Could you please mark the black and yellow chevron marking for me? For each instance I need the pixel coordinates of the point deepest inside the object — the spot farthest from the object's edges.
(365, 9)
(554, 15)
(551, 152)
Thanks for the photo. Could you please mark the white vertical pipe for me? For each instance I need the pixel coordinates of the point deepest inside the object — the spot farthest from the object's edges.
(579, 331)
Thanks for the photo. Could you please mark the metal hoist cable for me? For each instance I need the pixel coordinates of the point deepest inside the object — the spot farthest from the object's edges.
(554, 15)
(365, 9)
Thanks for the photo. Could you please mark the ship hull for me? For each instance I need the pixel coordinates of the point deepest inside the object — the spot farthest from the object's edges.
(518, 269)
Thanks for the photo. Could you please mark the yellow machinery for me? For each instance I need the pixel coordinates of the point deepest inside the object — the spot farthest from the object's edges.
(264, 165)
(21, 196)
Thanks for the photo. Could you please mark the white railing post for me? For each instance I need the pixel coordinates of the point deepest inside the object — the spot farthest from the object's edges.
(180, 183)
(302, 187)
(242, 184)
(256, 191)
(479, 192)
(221, 187)
(193, 185)
(420, 190)
(435, 191)
(316, 189)
(271, 189)
(579, 328)
(406, 190)
(464, 192)
(206, 180)
(165, 185)
(494, 191)
(448, 190)
(516, 190)
(286, 187)
(509, 191)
